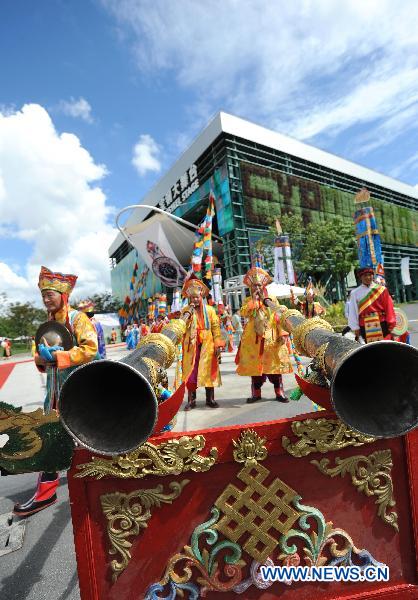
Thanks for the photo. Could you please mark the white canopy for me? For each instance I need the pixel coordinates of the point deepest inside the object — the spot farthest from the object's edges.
(108, 319)
(281, 290)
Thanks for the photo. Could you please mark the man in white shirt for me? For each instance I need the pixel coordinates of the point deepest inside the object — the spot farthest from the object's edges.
(370, 311)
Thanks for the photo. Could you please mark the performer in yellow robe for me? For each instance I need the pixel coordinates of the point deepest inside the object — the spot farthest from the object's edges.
(263, 351)
(58, 364)
(201, 344)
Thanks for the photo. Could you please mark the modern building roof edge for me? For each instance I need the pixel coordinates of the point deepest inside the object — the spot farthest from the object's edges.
(233, 125)
(267, 137)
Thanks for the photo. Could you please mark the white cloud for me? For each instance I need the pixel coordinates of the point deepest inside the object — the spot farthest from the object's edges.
(410, 164)
(305, 68)
(393, 96)
(10, 280)
(79, 109)
(145, 155)
(51, 199)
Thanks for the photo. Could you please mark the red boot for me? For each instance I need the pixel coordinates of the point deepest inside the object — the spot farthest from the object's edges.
(279, 389)
(44, 496)
(256, 385)
(191, 400)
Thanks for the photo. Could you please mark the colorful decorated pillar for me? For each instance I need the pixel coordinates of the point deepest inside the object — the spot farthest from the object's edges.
(367, 235)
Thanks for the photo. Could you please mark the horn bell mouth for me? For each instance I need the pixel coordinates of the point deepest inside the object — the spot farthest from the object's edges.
(108, 407)
(375, 389)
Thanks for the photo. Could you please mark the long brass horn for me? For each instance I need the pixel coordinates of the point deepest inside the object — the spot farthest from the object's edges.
(374, 387)
(110, 407)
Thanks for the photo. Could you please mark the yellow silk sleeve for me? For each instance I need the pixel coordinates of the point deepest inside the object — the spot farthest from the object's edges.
(247, 308)
(215, 327)
(86, 350)
(274, 318)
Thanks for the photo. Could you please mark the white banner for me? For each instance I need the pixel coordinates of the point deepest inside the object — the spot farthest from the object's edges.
(283, 266)
(406, 277)
(289, 264)
(157, 253)
(217, 285)
(279, 273)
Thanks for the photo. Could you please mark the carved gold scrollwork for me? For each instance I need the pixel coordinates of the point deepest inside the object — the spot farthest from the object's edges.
(128, 515)
(153, 372)
(371, 475)
(255, 511)
(320, 357)
(249, 448)
(169, 458)
(322, 435)
(27, 426)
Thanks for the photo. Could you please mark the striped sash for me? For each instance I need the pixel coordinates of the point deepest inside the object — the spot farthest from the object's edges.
(370, 297)
(372, 328)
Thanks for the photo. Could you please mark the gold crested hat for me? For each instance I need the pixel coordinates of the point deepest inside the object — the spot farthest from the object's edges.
(86, 306)
(193, 285)
(257, 276)
(58, 282)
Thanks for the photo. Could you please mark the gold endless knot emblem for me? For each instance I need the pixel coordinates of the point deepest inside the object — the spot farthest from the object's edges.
(257, 512)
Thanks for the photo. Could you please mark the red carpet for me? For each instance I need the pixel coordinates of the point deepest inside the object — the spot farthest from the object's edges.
(5, 371)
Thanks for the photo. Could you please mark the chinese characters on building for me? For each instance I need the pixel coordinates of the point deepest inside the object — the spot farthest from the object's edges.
(181, 190)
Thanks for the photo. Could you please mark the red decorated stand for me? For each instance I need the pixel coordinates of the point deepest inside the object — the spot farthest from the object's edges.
(196, 515)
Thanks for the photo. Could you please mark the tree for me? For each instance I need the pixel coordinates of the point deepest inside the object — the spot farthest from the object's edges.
(103, 303)
(325, 250)
(3, 303)
(21, 320)
(329, 248)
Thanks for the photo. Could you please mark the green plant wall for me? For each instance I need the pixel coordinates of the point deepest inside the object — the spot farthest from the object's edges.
(268, 194)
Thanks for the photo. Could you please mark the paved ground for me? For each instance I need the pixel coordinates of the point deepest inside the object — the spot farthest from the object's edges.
(45, 567)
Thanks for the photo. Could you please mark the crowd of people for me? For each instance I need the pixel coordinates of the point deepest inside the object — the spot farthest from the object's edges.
(263, 349)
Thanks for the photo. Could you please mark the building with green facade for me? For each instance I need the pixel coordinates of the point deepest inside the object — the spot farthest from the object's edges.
(257, 175)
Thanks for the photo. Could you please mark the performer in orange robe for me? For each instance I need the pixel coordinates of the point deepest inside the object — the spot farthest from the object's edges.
(263, 350)
(143, 329)
(159, 324)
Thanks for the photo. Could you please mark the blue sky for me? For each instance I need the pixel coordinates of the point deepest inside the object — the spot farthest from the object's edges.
(99, 97)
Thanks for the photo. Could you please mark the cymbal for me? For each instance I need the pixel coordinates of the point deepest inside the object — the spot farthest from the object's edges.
(55, 334)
